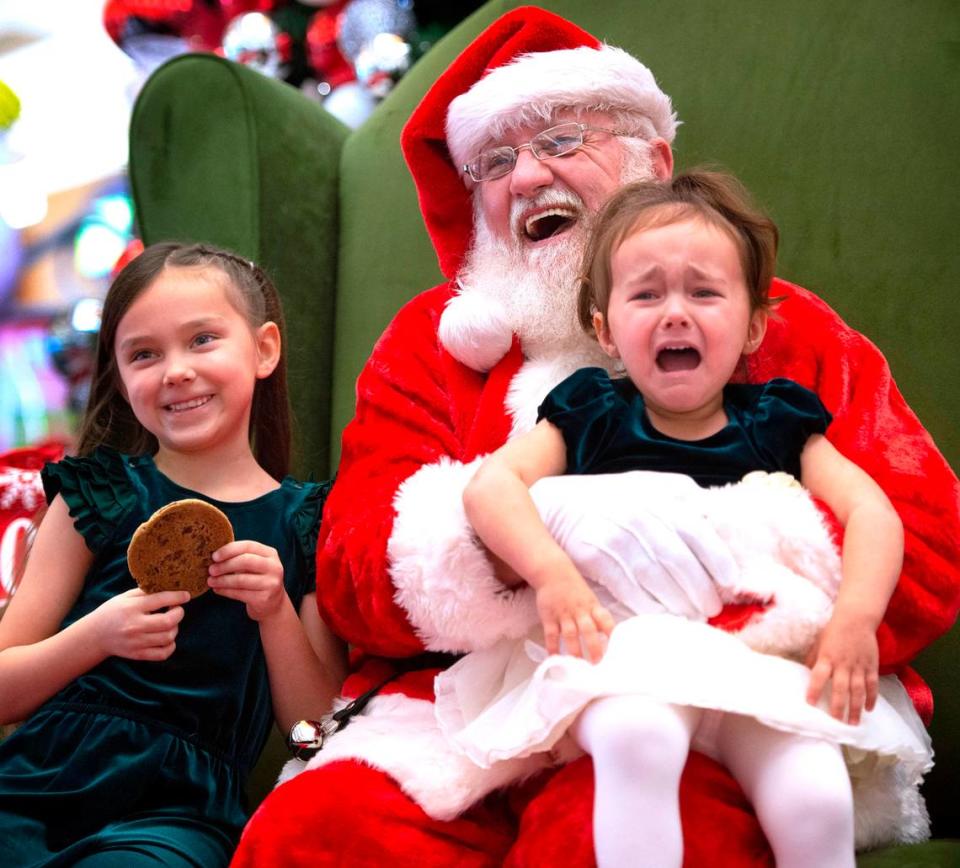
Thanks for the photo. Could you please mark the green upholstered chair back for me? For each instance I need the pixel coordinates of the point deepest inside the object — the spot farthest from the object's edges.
(842, 116)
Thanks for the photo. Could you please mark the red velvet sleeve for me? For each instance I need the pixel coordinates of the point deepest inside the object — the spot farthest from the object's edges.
(874, 427)
(404, 419)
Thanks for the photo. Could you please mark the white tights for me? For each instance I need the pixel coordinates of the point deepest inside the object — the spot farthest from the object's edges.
(799, 787)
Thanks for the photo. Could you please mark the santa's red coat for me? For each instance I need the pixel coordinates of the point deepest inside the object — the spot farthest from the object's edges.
(393, 531)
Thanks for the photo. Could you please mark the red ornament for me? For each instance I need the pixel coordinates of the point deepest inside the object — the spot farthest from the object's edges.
(133, 249)
(198, 23)
(323, 53)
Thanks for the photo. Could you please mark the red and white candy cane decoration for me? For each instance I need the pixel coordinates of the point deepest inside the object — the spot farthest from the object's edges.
(21, 505)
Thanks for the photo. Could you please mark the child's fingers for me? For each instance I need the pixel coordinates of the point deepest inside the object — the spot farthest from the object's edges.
(840, 694)
(818, 680)
(858, 695)
(571, 636)
(873, 688)
(240, 547)
(236, 581)
(591, 638)
(165, 599)
(243, 562)
(603, 619)
(157, 622)
(551, 637)
(238, 594)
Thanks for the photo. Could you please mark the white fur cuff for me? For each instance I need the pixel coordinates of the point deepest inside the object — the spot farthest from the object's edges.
(444, 580)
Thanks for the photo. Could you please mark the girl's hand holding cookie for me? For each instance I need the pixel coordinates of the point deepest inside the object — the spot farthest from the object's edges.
(140, 626)
(252, 573)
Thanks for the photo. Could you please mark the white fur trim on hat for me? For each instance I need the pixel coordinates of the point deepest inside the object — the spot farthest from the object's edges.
(530, 88)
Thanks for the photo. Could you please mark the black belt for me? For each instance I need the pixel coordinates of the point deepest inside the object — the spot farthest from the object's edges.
(306, 737)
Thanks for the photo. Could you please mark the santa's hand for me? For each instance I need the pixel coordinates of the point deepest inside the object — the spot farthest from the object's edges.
(638, 535)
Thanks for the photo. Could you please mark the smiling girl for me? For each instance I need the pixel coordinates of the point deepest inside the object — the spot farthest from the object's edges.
(144, 713)
(675, 288)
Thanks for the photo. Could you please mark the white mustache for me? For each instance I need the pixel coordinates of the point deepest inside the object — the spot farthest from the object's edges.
(552, 197)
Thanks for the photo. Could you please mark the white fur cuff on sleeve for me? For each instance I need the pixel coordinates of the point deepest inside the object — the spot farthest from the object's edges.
(444, 580)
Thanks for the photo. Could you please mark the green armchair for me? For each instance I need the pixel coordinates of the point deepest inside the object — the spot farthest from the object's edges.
(842, 117)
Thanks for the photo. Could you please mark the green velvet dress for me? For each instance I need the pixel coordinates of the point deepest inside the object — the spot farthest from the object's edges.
(606, 430)
(139, 762)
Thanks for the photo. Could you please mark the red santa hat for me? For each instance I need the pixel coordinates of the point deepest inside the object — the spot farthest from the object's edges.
(524, 65)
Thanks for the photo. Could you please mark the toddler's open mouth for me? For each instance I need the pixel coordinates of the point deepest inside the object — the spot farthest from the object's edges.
(678, 359)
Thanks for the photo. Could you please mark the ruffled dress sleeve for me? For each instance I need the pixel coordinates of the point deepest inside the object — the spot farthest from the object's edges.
(785, 416)
(588, 408)
(98, 491)
(306, 528)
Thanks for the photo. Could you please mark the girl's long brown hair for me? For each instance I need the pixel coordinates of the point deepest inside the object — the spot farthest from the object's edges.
(108, 419)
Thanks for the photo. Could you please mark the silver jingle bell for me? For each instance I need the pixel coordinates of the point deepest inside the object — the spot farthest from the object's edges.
(306, 737)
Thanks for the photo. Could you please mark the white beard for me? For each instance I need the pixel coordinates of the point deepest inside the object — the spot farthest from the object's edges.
(537, 287)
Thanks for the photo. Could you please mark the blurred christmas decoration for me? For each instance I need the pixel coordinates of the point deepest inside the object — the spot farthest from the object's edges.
(382, 62)
(328, 67)
(346, 54)
(254, 40)
(102, 240)
(21, 507)
(33, 394)
(9, 106)
(351, 103)
(133, 249)
(373, 37)
(22, 199)
(72, 344)
(365, 19)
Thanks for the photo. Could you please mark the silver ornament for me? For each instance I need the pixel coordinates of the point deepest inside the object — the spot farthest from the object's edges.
(363, 19)
(382, 62)
(253, 39)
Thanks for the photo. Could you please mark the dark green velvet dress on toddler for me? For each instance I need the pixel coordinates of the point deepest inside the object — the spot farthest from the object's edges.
(606, 430)
(140, 762)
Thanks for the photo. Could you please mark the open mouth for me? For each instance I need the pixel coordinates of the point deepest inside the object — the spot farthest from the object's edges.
(546, 224)
(192, 404)
(674, 359)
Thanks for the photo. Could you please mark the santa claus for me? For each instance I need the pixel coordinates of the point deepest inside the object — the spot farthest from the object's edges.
(463, 367)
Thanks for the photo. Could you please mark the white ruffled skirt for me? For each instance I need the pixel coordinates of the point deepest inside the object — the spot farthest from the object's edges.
(513, 700)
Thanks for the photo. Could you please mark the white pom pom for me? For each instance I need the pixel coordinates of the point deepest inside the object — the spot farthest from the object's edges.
(475, 330)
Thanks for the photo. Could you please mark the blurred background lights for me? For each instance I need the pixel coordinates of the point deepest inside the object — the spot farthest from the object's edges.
(85, 316)
(116, 211)
(96, 248)
(23, 202)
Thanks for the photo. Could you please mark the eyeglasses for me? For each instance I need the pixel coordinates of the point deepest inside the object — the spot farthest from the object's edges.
(555, 142)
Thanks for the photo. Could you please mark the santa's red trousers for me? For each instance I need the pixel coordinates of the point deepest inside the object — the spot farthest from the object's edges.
(348, 814)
